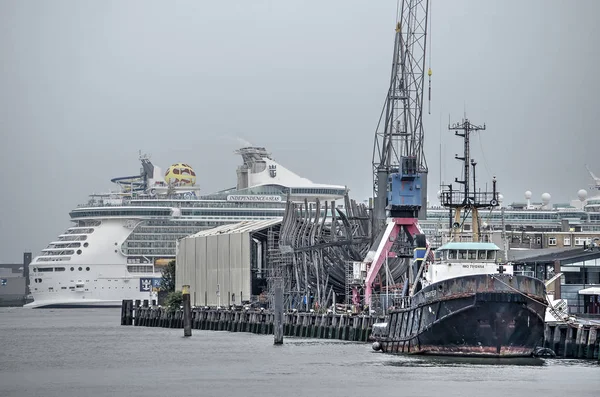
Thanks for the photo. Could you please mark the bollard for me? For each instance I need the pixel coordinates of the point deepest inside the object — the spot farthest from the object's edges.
(187, 311)
(278, 318)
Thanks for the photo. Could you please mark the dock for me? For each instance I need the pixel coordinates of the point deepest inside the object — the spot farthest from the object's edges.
(575, 340)
(342, 326)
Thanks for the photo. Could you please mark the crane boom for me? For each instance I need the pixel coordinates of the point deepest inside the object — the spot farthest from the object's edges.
(400, 127)
(399, 164)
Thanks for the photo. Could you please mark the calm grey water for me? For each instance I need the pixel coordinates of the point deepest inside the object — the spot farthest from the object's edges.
(86, 352)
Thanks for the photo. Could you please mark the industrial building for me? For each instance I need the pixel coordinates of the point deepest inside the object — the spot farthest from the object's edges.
(226, 265)
(580, 281)
(14, 282)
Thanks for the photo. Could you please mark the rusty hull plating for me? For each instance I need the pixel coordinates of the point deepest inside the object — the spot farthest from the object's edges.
(493, 315)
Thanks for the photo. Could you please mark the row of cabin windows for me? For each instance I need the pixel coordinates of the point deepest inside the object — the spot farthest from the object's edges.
(56, 269)
(467, 254)
(579, 241)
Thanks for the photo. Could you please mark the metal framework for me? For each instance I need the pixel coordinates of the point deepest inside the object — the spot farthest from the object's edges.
(399, 140)
(316, 242)
(400, 127)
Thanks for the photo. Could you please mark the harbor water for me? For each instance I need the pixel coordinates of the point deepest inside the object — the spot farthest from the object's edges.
(78, 352)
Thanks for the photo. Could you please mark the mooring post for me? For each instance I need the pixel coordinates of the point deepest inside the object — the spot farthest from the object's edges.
(124, 312)
(187, 311)
(278, 320)
(136, 312)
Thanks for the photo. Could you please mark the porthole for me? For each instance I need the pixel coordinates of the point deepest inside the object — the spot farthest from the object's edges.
(80, 269)
(87, 269)
(72, 268)
(86, 244)
(78, 252)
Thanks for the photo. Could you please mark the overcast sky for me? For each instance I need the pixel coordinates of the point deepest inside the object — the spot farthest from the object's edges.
(85, 85)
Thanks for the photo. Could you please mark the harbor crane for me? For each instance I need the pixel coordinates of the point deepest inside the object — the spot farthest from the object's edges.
(399, 164)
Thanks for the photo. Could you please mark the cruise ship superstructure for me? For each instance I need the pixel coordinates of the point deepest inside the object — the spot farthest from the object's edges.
(120, 241)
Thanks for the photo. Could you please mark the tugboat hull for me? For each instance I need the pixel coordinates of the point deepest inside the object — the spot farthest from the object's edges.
(481, 315)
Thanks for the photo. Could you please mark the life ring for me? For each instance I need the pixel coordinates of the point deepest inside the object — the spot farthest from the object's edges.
(152, 192)
(494, 202)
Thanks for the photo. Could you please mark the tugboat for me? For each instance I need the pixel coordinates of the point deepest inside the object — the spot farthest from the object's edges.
(466, 301)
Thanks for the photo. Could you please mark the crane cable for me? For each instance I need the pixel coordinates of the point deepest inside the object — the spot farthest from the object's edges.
(429, 71)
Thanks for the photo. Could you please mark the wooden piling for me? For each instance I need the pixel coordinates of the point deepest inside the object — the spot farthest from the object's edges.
(591, 343)
(124, 312)
(187, 311)
(278, 317)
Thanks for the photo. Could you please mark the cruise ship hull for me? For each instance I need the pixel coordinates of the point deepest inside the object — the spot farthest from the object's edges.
(481, 315)
(75, 304)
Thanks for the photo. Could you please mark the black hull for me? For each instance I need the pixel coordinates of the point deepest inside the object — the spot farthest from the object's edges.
(501, 316)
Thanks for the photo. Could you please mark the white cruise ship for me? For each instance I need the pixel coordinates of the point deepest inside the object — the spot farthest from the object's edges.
(121, 240)
(581, 215)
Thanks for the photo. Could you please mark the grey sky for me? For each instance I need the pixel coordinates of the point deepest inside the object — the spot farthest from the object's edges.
(85, 85)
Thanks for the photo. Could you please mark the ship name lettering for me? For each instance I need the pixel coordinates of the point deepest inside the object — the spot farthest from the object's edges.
(430, 294)
(237, 197)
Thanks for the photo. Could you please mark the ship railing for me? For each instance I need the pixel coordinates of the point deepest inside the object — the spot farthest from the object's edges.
(528, 273)
(456, 197)
(403, 302)
(382, 303)
(484, 237)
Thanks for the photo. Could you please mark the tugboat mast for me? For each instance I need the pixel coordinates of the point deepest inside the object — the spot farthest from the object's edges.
(467, 199)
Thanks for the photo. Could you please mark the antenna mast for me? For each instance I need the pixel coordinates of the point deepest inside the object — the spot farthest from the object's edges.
(469, 200)
(467, 128)
(400, 127)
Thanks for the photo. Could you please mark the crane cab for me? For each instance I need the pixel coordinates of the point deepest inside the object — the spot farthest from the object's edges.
(404, 190)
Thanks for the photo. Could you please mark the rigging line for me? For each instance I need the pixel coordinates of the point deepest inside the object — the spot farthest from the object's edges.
(516, 290)
(429, 28)
(440, 127)
(483, 155)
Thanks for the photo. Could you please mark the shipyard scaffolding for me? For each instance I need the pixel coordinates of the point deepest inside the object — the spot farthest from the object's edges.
(279, 272)
(310, 255)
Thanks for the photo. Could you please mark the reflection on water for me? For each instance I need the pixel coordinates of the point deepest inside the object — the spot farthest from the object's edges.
(400, 360)
(447, 361)
(81, 352)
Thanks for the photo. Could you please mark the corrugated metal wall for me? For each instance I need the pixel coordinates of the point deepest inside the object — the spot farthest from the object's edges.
(223, 248)
(200, 283)
(212, 268)
(210, 262)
